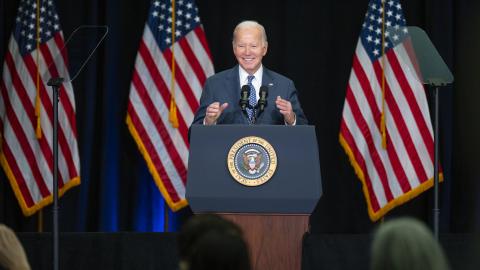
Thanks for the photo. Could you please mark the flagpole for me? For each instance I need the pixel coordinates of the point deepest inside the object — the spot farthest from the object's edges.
(436, 209)
(55, 83)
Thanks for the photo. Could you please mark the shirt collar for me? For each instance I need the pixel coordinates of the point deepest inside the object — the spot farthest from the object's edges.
(244, 74)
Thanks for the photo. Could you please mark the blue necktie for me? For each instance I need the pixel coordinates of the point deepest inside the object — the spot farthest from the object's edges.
(252, 98)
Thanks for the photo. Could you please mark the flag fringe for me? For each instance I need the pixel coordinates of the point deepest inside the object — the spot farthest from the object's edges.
(175, 206)
(28, 211)
(375, 216)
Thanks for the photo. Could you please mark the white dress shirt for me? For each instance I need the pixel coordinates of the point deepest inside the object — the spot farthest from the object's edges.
(257, 81)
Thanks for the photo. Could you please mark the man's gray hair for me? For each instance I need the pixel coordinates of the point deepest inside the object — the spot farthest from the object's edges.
(250, 24)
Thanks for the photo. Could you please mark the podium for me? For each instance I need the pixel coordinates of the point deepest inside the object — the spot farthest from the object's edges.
(273, 215)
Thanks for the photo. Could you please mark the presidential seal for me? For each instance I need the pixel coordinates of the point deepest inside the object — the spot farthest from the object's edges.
(252, 161)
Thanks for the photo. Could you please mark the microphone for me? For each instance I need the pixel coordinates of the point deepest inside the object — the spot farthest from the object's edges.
(262, 101)
(244, 93)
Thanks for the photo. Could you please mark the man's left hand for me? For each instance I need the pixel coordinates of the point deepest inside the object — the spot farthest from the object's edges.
(286, 110)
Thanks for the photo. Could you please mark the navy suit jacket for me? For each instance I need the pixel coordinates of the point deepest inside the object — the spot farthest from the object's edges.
(225, 87)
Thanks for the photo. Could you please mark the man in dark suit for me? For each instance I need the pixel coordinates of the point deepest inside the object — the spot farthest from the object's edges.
(219, 103)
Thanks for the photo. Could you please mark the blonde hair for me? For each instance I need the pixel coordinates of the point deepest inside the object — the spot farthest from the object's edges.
(12, 254)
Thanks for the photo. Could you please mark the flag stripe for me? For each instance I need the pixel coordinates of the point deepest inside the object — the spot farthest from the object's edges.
(45, 99)
(155, 75)
(165, 147)
(182, 82)
(162, 67)
(406, 59)
(26, 159)
(159, 125)
(153, 154)
(187, 71)
(409, 122)
(25, 67)
(160, 107)
(202, 39)
(359, 95)
(193, 61)
(361, 163)
(367, 92)
(385, 88)
(18, 95)
(68, 147)
(22, 138)
(367, 89)
(362, 144)
(20, 180)
(412, 100)
(397, 115)
(201, 52)
(154, 137)
(394, 138)
(7, 154)
(28, 109)
(62, 62)
(374, 153)
(52, 72)
(65, 102)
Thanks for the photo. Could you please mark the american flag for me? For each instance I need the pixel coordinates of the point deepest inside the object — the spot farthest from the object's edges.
(156, 80)
(26, 111)
(399, 166)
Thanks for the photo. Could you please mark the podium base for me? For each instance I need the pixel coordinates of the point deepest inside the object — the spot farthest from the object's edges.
(275, 241)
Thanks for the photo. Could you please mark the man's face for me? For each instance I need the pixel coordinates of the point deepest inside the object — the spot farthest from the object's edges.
(249, 48)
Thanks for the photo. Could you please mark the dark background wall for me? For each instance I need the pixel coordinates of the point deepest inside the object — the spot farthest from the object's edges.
(312, 42)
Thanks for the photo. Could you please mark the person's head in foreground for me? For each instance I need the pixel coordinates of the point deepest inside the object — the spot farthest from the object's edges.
(12, 255)
(406, 244)
(211, 242)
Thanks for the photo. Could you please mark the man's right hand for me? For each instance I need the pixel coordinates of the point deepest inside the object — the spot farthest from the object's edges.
(214, 111)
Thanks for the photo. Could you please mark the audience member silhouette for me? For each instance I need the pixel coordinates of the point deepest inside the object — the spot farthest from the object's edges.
(213, 243)
(12, 255)
(406, 244)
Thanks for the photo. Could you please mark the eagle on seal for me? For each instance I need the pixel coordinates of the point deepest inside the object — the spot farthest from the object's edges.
(252, 160)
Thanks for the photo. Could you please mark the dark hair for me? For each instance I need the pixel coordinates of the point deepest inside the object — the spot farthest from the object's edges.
(211, 242)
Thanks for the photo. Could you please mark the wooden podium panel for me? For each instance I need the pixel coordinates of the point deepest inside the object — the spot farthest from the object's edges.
(274, 241)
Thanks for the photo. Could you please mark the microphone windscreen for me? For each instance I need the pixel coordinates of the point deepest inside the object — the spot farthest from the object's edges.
(245, 91)
(263, 91)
